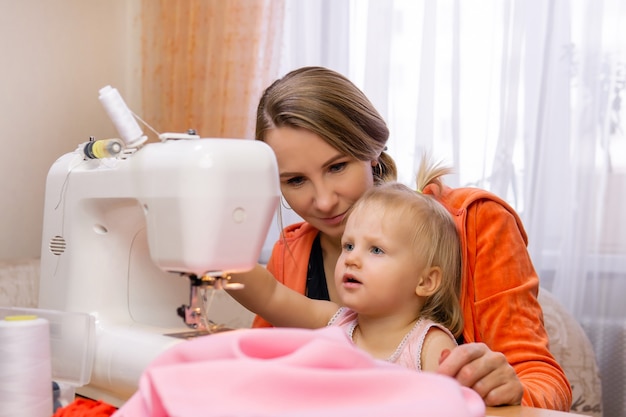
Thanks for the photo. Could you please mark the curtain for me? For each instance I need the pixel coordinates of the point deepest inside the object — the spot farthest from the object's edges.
(521, 97)
(205, 63)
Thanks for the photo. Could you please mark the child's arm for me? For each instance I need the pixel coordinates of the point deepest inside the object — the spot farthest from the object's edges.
(281, 306)
(436, 342)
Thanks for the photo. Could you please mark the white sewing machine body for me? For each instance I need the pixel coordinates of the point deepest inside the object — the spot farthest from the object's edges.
(119, 233)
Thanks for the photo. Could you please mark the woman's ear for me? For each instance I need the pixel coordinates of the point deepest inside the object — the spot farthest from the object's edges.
(429, 282)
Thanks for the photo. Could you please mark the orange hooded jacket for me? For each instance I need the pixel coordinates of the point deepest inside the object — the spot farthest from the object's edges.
(498, 293)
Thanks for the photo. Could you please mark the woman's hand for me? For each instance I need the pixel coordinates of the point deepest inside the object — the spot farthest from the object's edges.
(488, 373)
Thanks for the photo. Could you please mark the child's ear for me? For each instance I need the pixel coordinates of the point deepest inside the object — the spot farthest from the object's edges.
(429, 282)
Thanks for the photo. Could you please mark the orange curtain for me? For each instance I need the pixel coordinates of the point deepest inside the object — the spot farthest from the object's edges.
(205, 63)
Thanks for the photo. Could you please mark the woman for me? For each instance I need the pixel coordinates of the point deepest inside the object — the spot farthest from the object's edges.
(329, 142)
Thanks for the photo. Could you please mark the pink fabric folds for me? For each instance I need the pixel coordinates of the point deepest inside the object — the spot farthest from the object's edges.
(290, 372)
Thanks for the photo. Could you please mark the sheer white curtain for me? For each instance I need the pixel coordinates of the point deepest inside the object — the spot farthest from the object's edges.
(523, 98)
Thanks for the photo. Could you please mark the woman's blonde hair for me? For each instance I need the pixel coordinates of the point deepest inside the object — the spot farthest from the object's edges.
(327, 103)
(435, 237)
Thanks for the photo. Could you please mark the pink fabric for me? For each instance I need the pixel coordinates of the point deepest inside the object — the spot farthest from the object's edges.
(290, 372)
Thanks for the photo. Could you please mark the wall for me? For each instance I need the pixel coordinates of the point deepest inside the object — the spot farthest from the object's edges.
(55, 57)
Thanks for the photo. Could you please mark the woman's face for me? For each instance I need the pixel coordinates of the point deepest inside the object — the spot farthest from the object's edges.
(318, 182)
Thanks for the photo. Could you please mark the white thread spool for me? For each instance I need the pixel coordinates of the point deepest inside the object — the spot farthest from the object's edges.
(121, 116)
(25, 367)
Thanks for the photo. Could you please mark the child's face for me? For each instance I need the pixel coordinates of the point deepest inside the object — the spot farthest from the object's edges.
(378, 270)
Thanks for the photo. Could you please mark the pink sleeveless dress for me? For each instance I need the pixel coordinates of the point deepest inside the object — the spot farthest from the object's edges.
(409, 351)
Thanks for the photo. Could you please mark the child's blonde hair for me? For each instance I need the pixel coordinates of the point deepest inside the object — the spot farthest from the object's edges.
(435, 237)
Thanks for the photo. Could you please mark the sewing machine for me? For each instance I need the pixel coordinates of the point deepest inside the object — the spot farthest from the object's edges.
(132, 236)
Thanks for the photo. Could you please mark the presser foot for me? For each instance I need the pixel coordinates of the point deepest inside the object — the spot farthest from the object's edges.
(195, 315)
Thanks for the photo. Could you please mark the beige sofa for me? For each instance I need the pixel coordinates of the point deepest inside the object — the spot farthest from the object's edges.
(19, 283)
